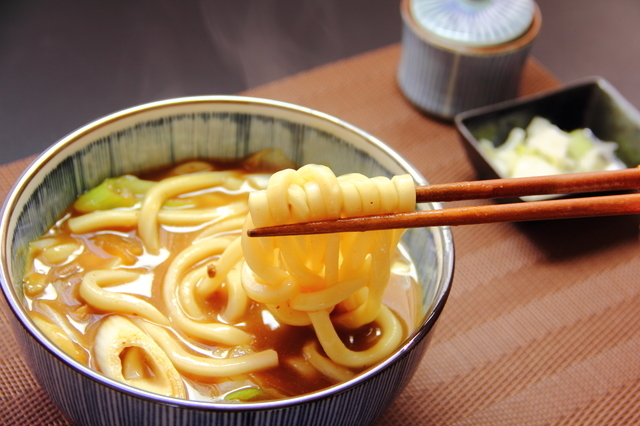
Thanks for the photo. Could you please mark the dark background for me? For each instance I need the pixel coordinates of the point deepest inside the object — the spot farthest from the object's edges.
(64, 63)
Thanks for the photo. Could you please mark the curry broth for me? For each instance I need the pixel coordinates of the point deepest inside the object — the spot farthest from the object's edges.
(51, 291)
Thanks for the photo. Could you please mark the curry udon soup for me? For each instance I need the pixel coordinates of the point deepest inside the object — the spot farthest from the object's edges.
(151, 281)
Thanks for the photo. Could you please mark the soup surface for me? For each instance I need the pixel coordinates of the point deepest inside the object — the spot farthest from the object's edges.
(174, 316)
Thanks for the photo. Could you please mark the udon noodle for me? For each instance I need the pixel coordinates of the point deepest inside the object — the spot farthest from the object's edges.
(154, 283)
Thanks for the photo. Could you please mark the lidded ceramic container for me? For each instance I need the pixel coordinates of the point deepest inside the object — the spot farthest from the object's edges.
(462, 54)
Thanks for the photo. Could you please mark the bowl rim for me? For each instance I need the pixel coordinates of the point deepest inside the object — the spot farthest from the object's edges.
(24, 321)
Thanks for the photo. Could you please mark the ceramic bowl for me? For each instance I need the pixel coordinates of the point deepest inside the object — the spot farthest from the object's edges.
(167, 132)
(591, 103)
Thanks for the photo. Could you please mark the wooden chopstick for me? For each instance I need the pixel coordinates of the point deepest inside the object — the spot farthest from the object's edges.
(536, 210)
(570, 183)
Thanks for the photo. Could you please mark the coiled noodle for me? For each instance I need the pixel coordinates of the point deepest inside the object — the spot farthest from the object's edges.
(307, 288)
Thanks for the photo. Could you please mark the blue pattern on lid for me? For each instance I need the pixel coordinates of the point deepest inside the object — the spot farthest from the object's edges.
(474, 22)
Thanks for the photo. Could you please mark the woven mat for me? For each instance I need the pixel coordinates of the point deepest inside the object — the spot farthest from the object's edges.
(543, 322)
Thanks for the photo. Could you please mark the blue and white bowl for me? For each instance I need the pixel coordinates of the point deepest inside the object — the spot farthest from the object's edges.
(167, 132)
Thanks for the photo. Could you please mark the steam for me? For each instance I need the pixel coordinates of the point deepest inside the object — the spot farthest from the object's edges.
(264, 46)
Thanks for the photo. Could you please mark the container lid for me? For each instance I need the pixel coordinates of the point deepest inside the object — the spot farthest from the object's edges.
(474, 22)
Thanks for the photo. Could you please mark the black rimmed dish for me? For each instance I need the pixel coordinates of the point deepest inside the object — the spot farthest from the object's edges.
(219, 127)
(591, 103)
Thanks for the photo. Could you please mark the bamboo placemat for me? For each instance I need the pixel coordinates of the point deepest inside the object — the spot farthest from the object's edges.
(543, 322)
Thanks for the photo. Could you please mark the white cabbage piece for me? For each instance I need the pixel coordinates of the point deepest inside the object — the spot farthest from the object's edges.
(544, 149)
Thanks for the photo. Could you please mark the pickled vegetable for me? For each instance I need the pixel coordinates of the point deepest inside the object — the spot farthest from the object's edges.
(544, 149)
